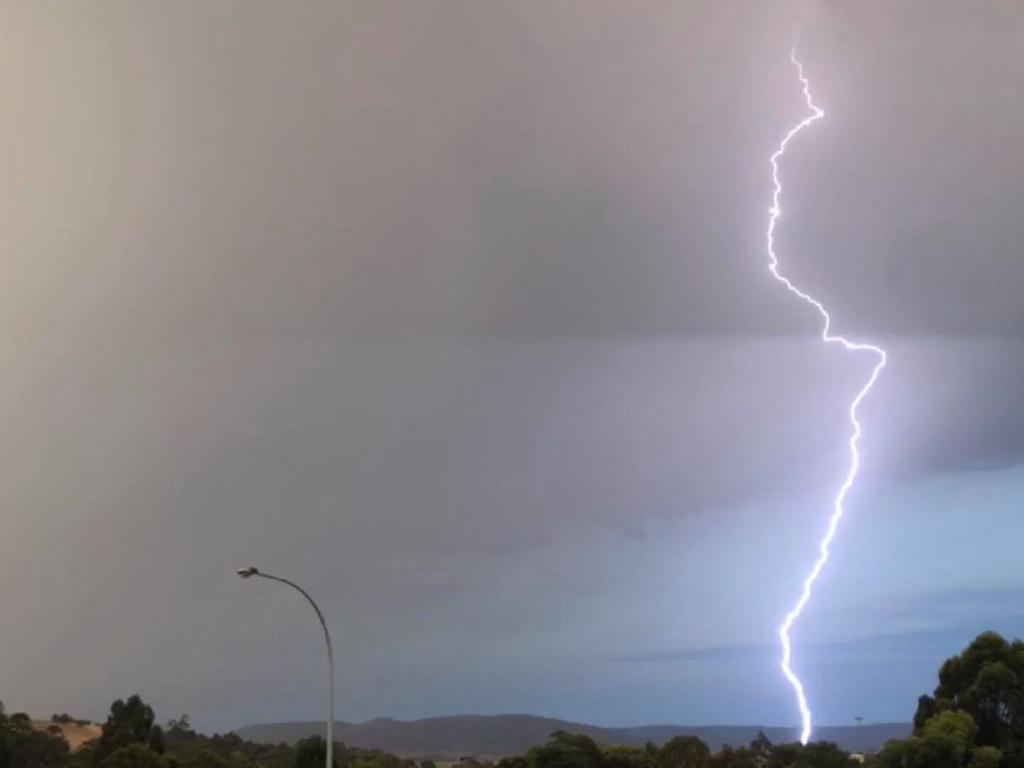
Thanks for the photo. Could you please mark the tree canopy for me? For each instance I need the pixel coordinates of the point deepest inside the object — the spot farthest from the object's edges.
(975, 716)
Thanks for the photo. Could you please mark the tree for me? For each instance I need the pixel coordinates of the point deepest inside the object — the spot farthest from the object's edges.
(893, 754)
(37, 749)
(156, 739)
(312, 752)
(945, 740)
(22, 746)
(19, 723)
(761, 746)
(627, 757)
(780, 755)
(4, 747)
(180, 728)
(819, 754)
(684, 752)
(133, 756)
(84, 756)
(728, 757)
(130, 722)
(210, 758)
(986, 681)
(986, 757)
(566, 750)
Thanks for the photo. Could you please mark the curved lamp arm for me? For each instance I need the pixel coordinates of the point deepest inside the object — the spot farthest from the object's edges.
(247, 573)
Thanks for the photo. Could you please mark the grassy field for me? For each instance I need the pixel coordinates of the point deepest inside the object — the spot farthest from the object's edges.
(76, 735)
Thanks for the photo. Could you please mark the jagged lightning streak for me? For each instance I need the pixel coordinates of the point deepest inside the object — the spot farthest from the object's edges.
(837, 505)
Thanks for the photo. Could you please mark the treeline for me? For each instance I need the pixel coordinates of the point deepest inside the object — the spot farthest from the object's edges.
(131, 738)
(566, 750)
(974, 719)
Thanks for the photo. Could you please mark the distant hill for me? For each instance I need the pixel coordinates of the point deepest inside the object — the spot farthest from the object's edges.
(500, 735)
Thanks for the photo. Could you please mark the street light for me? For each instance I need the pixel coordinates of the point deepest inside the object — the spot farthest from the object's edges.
(249, 572)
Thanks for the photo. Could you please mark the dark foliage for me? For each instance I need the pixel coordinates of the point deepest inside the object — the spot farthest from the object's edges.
(21, 746)
(129, 722)
(974, 718)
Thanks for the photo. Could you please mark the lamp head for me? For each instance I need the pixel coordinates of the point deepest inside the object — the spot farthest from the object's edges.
(245, 573)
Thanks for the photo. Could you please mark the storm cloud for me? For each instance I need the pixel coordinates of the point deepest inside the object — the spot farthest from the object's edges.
(458, 313)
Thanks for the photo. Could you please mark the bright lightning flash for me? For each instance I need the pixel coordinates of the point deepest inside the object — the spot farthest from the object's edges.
(828, 337)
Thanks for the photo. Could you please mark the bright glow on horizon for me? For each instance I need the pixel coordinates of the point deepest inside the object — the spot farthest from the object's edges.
(837, 505)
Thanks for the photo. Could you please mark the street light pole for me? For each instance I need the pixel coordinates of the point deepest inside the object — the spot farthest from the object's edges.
(247, 573)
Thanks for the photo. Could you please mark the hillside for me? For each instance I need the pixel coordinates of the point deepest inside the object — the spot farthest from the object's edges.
(76, 735)
(500, 735)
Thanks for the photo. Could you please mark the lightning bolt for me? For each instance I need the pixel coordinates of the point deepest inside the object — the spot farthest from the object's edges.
(829, 338)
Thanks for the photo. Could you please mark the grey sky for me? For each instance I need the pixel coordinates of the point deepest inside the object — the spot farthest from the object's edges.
(458, 313)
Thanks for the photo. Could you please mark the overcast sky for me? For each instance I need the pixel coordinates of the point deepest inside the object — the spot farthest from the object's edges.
(458, 314)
